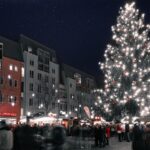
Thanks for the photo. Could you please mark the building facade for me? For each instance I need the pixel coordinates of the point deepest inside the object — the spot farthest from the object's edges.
(33, 79)
(41, 79)
(78, 86)
(10, 79)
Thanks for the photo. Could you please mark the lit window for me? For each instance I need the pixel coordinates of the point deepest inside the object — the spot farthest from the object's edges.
(10, 67)
(22, 71)
(9, 76)
(29, 49)
(16, 68)
(77, 77)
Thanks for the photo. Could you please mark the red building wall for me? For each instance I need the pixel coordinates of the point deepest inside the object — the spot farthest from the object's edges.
(10, 93)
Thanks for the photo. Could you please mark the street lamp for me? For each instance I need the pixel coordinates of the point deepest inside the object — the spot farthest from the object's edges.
(28, 117)
(76, 109)
(58, 102)
(33, 94)
(80, 110)
(41, 106)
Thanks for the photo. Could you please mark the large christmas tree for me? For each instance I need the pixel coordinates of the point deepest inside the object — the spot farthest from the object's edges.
(127, 64)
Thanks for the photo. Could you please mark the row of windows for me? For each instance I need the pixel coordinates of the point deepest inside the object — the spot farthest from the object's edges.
(13, 68)
(9, 98)
(39, 75)
(11, 82)
(39, 88)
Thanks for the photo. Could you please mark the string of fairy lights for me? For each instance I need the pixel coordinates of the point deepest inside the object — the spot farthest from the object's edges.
(127, 61)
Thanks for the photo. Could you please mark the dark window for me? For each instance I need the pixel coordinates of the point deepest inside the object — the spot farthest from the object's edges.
(22, 86)
(53, 80)
(31, 86)
(53, 70)
(15, 83)
(39, 76)
(46, 79)
(40, 58)
(31, 74)
(15, 99)
(46, 68)
(47, 60)
(1, 80)
(31, 62)
(40, 66)
(61, 106)
(9, 99)
(10, 82)
(70, 85)
(1, 46)
(53, 92)
(53, 105)
(1, 97)
(39, 88)
(30, 102)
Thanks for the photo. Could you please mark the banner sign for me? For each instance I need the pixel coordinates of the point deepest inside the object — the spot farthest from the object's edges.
(4, 114)
(87, 111)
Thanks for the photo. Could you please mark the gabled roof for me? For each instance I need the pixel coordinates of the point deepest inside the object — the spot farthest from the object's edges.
(11, 49)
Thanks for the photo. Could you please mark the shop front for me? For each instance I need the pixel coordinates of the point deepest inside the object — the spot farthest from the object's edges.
(10, 113)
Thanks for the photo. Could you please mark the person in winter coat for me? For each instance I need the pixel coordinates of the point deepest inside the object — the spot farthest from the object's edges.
(107, 134)
(119, 132)
(6, 136)
(127, 132)
(147, 136)
(58, 137)
(96, 135)
(138, 140)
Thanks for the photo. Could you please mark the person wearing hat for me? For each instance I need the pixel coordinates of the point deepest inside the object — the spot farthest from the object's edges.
(6, 136)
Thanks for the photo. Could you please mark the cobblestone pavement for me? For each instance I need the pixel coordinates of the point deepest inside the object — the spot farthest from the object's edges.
(88, 144)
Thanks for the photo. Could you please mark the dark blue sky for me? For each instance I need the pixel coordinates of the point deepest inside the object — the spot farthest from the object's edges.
(78, 30)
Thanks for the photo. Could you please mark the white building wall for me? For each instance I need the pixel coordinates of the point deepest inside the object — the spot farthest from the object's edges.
(27, 80)
(54, 81)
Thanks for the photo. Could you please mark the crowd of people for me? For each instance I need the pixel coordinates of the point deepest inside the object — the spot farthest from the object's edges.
(26, 137)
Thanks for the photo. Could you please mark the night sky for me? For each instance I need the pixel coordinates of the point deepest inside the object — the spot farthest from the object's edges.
(78, 30)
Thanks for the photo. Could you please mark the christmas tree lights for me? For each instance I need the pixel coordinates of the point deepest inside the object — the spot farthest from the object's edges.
(127, 64)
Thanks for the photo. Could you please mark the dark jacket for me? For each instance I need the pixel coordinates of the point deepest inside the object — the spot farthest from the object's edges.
(138, 140)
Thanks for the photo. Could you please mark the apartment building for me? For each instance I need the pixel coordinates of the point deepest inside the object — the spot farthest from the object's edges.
(11, 63)
(41, 79)
(33, 82)
(78, 86)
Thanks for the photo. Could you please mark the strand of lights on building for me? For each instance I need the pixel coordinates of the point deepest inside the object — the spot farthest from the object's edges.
(127, 64)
